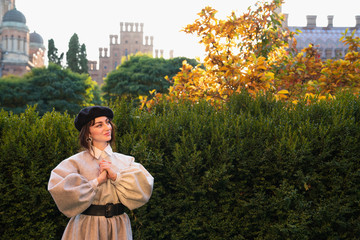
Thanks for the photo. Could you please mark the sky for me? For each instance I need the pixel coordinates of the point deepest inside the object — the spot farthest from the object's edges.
(93, 21)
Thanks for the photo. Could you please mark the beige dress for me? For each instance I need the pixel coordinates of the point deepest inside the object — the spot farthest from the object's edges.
(73, 185)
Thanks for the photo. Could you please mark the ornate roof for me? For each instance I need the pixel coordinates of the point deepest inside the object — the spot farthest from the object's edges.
(14, 16)
(36, 38)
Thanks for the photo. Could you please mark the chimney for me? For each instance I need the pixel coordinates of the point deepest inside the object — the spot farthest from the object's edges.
(357, 21)
(171, 54)
(311, 21)
(121, 26)
(330, 21)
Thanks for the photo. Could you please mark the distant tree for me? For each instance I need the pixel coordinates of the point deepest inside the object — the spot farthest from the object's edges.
(141, 74)
(49, 88)
(83, 62)
(53, 53)
(76, 56)
(72, 55)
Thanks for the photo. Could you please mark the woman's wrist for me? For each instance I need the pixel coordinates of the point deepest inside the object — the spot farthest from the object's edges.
(113, 176)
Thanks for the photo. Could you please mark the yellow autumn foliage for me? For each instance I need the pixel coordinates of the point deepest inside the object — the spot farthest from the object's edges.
(253, 52)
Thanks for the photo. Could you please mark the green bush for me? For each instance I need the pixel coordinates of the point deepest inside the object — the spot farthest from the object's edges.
(30, 147)
(256, 169)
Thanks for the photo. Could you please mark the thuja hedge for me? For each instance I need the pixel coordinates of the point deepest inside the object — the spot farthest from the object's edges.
(255, 169)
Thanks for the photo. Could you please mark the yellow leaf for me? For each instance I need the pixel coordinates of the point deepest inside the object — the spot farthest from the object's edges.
(283, 91)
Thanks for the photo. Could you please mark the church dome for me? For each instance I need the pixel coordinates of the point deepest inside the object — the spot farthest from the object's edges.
(36, 38)
(14, 16)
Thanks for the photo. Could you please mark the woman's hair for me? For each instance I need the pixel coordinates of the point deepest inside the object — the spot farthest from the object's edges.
(85, 133)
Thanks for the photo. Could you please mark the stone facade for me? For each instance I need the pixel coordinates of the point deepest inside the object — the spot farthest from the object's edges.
(131, 41)
(325, 38)
(20, 50)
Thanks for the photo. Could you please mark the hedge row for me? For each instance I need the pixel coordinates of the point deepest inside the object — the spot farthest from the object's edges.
(256, 169)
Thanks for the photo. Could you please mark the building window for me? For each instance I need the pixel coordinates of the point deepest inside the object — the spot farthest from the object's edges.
(115, 65)
(136, 42)
(12, 43)
(18, 43)
(105, 67)
(126, 41)
(328, 53)
(115, 54)
(126, 52)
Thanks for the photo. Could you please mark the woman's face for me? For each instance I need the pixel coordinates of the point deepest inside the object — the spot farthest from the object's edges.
(100, 132)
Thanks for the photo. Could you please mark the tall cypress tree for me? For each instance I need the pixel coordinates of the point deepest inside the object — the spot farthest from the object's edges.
(83, 62)
(53, 53)
(72, 55)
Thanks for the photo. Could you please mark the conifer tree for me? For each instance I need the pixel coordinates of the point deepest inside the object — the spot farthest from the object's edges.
(72, 55)
(83, 62)
(53, 53)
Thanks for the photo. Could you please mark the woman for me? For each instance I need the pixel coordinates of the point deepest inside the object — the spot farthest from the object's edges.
(93, 186)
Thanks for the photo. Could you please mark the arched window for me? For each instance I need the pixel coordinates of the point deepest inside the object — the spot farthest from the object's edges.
(18, 40)
(12, 43)
(6, 42)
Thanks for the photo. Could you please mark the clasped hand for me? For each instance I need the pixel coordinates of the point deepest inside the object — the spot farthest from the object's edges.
(106, 172)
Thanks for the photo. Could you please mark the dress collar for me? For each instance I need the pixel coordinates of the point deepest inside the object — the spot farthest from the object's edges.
(97, 152)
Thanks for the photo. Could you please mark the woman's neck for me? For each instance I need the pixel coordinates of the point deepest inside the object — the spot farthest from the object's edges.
(100, 146)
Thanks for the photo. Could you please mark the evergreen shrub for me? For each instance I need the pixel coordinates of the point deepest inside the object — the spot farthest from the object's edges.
(254, 169)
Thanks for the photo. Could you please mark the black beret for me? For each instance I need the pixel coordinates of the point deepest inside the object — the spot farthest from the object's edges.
(89, 113)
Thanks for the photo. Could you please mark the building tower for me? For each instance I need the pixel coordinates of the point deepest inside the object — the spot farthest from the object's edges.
(37, 50)
(19, 50)
(131, 42)
(14, 43)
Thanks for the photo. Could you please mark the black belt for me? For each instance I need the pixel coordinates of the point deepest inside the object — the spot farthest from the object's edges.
(107, 210)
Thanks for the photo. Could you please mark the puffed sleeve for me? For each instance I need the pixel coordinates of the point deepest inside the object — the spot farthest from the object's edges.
(71, 192)
(134, 185)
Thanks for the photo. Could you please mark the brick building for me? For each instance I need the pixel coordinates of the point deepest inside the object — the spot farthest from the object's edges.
(131, 41)
(20, 50)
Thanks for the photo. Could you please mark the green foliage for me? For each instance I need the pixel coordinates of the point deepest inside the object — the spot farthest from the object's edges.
(30, 148)
(83, 62)
(49, 88)
(53, 53)
(76, 56)
(141, 74)
(13, 94)
(254, 169)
